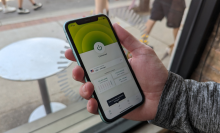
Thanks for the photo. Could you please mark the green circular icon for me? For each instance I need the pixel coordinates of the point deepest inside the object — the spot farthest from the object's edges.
(99, 47)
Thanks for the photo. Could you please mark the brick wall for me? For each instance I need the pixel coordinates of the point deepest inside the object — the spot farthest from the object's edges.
(211, 70)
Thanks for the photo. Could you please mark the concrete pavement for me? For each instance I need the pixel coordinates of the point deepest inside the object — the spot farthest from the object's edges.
(53, 8)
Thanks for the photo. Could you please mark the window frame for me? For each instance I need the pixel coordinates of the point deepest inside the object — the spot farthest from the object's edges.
(192, 42)
(190, 46)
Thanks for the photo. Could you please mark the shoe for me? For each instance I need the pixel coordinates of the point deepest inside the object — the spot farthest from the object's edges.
(169, 49)
(168, 52)
(23, 11)
(7, 9)
(37, 6)
(0, 9)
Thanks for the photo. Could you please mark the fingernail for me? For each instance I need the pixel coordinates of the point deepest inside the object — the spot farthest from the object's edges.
(73, 73)
(89, 103)
(84, 88)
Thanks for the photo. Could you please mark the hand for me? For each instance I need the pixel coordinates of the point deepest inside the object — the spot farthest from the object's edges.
(149, 70)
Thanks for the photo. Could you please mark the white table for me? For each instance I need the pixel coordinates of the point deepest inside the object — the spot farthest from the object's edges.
(34, 59)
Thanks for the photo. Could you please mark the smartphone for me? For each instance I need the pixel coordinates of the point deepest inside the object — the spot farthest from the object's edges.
(98, 51)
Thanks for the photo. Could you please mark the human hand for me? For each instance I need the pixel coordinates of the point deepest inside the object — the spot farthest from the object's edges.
(149, 70)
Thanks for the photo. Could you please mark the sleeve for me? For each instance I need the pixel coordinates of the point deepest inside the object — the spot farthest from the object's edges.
(188, 106)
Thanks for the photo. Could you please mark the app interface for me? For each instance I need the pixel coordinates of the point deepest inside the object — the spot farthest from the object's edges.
(107, 69)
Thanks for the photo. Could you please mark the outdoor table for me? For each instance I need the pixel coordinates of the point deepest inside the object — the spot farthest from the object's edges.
(34, 59)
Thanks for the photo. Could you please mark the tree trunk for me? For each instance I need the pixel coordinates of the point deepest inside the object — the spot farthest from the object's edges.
(144, 5)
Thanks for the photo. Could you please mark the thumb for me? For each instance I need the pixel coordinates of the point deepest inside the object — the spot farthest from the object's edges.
(127, 40)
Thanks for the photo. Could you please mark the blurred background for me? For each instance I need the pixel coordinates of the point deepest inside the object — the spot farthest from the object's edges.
(31, 80)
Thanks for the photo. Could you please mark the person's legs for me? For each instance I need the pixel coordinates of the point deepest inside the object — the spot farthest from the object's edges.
(132, 4)
(157, 14)
(24, 11)
(174, 14)
(36, 5)
(106, 7)
(20, 10)
(100, 5)
(20, 2)
(170, 48)
(5, 8)
(4, 2)
(32, 1)
(149, 25)
(175, 32)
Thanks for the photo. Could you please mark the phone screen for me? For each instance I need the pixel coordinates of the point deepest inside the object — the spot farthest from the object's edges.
(106, 66)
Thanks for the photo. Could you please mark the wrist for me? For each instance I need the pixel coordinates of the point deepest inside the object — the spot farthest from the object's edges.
(156, 97)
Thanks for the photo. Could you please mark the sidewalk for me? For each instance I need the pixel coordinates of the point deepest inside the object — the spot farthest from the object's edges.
(54, 9)
(19, 99)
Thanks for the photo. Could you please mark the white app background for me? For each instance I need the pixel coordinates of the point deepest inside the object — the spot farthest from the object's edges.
(111, 77)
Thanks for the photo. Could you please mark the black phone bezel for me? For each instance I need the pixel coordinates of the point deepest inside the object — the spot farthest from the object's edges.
(88, 20)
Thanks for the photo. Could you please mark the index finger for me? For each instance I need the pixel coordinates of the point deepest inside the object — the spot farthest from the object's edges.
(127, 40)
(69, 55)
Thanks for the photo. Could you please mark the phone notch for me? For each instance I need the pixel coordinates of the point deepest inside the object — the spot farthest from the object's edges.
(87, 20)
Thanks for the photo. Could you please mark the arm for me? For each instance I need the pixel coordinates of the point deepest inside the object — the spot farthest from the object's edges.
(170, 101)
(189, 106)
